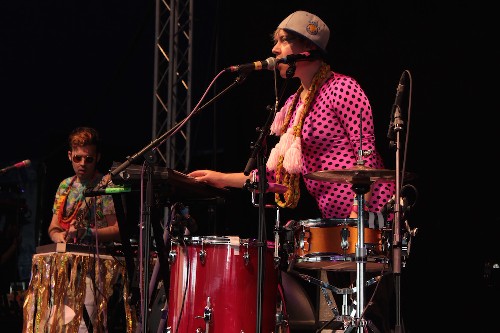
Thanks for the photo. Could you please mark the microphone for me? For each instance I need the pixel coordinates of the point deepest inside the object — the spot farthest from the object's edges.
(23, 164)
(388, 207)
(395, 121)
(90, 192)
(269, 63)
(304, 56)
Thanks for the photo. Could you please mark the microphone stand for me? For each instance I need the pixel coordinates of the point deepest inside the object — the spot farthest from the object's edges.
(257, 156)
(146, 227)
(396, 244)
(156, 142)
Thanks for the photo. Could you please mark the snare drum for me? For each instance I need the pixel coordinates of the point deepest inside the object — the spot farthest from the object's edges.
(213, 285)
(331, 244)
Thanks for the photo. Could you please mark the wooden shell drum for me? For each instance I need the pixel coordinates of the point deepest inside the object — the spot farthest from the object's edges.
(330, 244)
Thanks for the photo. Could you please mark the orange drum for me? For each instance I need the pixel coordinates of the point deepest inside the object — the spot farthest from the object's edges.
(213, 285)
(331, 244)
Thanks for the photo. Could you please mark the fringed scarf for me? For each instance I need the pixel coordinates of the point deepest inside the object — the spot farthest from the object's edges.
(286, 157)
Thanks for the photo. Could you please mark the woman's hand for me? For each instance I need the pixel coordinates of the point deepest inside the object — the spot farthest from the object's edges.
(210, 177)
(220, 179)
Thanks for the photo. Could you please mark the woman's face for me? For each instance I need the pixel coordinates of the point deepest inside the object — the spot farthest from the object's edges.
(286, 44)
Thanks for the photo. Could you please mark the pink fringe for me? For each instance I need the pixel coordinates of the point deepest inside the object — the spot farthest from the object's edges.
(292, 161)
(278, 122)
(272, 162)
(286, 141)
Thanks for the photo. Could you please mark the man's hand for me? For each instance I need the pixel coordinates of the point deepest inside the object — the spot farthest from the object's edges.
(59, 237)
(74, 234)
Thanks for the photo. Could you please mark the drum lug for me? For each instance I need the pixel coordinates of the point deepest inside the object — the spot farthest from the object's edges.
(386, 240)
(203, 256)
(246, 258)
(344, 236)
(207, 315)
(304, 240)
(171, 257)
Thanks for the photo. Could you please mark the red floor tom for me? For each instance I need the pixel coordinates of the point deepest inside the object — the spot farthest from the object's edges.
(213, 285)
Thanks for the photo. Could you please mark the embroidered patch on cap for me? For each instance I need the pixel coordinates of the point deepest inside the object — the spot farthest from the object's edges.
(309, 26)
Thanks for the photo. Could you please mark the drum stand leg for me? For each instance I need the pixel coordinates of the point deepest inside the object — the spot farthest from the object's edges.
(361, 186)
(345, 317)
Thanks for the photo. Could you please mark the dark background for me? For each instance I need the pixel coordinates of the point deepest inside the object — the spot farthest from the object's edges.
(66, 64)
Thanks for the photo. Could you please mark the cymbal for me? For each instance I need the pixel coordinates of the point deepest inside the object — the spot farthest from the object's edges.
(356, 173)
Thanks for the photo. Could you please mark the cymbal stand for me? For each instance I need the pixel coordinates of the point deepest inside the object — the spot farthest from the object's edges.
(361, 186)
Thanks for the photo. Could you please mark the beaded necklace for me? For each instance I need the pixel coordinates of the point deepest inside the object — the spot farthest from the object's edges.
(65, 221)
(286, 157)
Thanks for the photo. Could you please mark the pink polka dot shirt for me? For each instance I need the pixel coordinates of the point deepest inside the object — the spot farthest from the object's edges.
(331, 141)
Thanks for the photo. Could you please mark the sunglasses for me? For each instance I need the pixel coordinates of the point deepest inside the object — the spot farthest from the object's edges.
(87, 159)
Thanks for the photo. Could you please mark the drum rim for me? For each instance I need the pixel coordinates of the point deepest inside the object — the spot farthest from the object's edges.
(320, 257)
(329, 222)
(218, 240)
(337, 222)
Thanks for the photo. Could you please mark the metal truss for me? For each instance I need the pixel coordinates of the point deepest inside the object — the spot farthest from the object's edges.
(172, 75)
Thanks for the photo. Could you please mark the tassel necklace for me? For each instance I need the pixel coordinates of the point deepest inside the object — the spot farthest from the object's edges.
(65, 221)
(286, 157)
(78, 213)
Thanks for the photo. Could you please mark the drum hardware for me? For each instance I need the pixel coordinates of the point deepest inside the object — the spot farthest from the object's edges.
(360, 186)
(329, 302)
(253, 186)
(246, 256)
(277, 255)
(407, 234)
(344, 235)
(281, 318)
(361, 178)
(260, 188)
(207, 316)
(203, 255)
(329, 244)
(406, 242)
(172, 255)
(346, 316)
(302, 241)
